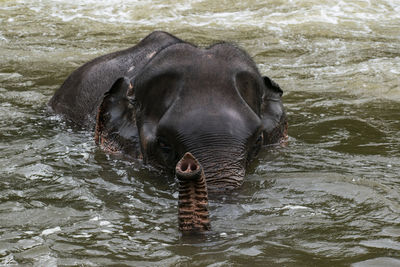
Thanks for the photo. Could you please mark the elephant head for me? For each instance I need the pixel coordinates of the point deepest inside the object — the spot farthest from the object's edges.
(210, 102)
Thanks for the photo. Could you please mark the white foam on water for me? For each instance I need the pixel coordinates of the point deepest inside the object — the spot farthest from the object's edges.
(104, 223)
(82, 235)
(51, 230)
(343, 15)
(10, 76)
(294, 207)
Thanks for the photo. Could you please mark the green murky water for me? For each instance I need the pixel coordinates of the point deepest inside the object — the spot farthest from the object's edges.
(330, 198)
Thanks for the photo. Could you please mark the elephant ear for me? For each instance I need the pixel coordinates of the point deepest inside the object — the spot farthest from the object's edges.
(271, 85)
(272, 113)
(116, 129)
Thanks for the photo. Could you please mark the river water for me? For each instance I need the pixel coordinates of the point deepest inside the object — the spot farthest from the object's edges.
(329, 198)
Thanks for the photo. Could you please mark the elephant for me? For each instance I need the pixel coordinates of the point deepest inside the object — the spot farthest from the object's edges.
(166, 101)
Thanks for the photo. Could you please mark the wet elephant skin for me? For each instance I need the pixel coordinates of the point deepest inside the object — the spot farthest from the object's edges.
(165, 97)
(193, 213)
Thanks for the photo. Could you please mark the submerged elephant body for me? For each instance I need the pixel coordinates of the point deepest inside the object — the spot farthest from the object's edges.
(165, 97)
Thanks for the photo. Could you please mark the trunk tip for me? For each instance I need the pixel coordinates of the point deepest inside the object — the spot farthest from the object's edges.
(188, 167)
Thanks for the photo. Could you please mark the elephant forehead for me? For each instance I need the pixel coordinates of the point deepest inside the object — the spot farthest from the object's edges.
(201, 74)
(192, 60)
(199, 121)
(221, 114)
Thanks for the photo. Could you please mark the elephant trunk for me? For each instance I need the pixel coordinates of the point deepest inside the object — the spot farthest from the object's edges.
(193, 197)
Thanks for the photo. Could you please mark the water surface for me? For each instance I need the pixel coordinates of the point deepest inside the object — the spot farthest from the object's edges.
(329, 198)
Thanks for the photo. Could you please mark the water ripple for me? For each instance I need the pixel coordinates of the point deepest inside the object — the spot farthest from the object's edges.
(330, 197)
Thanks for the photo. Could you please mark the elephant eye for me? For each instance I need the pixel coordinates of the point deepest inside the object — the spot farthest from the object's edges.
(167, 151)
(259, 140)
(256, 146)
(164, 146)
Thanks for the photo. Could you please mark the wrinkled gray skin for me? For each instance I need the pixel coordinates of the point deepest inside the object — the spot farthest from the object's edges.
(165, 97)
